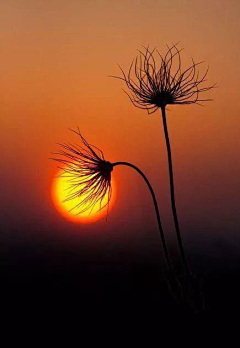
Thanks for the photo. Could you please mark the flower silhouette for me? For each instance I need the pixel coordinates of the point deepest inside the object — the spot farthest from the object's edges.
(88, 173)
(154, 85)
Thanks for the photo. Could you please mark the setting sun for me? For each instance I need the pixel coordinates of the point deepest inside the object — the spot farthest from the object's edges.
(68, 209)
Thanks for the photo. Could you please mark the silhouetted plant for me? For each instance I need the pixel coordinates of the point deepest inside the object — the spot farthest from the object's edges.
(155, 84)
(89, 174)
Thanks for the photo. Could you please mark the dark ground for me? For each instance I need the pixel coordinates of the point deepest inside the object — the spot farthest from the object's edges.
(109, 300)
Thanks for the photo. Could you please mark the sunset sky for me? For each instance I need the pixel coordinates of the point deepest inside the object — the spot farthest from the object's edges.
(56, 57)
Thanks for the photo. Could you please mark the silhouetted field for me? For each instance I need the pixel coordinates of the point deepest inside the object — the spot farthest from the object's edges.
(58, 291)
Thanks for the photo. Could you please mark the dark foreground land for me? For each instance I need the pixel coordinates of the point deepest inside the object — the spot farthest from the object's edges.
(50, 296)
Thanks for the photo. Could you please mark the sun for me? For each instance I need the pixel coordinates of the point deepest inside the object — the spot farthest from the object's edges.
(59, 191)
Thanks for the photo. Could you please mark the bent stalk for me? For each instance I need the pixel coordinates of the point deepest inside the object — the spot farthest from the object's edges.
(166, 254)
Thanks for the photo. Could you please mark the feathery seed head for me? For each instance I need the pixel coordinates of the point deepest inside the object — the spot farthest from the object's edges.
(88, 174)
(155, 81)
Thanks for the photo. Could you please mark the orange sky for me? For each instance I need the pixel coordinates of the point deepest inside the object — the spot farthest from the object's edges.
(55, 60)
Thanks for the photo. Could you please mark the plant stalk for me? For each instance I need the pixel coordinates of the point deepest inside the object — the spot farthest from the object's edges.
(166, 254)
(174, 210)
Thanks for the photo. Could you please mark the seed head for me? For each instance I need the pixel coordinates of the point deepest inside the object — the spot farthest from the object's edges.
(88, 174)
(155, 81)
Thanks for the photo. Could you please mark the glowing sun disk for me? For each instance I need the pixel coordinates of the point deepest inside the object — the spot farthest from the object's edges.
(70, 208)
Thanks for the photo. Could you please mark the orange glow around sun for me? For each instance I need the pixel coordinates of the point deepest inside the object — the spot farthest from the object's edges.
(59, 191)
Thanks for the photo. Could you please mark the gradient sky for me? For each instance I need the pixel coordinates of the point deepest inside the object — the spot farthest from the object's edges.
(55, 60)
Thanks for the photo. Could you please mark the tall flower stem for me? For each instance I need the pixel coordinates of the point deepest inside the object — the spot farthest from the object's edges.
(173, 203)
(166, 254)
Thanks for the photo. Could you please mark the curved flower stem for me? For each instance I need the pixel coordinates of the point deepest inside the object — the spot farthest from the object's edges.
(169, 264)
(174, 210)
